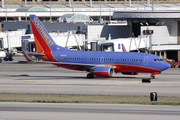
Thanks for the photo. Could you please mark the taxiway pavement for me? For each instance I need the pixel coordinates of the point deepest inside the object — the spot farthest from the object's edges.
(69, 111)
(46, 78)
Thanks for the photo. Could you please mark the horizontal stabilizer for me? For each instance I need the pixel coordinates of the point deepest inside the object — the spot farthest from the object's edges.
(123, 48)
(32, 53)
(26, 56)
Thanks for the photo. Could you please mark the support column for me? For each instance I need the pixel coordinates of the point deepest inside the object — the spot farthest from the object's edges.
(129, 2)
(178, 39)
(160, 54)
(165, 55)
(178, 55)
(155, 53)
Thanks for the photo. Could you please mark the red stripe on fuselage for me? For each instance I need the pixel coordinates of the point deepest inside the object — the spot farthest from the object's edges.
(134, 68)
(119, 68)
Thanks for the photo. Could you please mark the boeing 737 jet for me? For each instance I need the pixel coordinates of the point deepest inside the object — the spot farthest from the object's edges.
(96, 63)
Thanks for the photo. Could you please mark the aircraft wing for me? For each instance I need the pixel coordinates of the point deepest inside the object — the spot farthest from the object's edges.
(89, 66)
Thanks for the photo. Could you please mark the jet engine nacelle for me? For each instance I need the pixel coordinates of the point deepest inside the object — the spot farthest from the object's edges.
(129, 73)
(105, 71)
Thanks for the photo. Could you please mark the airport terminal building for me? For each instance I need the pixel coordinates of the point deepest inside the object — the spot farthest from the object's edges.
(161, 22)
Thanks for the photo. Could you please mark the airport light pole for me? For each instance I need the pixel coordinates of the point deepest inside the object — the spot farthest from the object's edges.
(130, 3)
(6, 10)
(69, 3)
(152, 5)
(100, 12)
(109, 10)
(26, 9)
(50, 12)
(90, 3)
(148, 2)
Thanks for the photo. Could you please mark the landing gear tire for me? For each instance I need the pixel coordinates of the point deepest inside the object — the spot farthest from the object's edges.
(0, 60)
(146, 80)
(90, 75)
(152, 76)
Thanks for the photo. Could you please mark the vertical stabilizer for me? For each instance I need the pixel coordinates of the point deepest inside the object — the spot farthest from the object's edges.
(43, 41)
(123, 48)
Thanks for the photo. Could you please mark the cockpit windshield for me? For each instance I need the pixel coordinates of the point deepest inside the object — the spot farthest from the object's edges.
(158, 60)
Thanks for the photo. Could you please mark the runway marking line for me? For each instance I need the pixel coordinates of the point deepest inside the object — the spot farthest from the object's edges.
(25, 80)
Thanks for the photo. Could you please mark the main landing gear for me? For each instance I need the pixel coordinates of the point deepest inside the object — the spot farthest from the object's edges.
(90, 75)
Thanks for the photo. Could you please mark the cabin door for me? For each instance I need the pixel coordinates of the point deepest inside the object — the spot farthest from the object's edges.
(102, 60)
(145, 62)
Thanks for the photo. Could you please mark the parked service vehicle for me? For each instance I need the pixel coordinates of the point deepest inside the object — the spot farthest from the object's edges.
(2, 55)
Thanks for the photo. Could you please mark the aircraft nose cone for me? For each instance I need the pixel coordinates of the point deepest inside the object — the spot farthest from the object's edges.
(166, 65)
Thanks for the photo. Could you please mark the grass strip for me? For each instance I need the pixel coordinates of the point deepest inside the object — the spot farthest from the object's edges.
(73, 98)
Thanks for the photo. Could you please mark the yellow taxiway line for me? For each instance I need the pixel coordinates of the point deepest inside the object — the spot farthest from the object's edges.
(25, 80)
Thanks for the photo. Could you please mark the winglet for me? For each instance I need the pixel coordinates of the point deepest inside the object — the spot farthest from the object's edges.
(26, 56)
(123, 48)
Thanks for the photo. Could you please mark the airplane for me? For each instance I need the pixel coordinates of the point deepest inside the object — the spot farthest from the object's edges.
(96, 63)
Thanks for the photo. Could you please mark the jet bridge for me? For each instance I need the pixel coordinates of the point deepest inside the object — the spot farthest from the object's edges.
(141, 43)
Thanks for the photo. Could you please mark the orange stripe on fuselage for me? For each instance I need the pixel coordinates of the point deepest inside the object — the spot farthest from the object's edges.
(39, 48)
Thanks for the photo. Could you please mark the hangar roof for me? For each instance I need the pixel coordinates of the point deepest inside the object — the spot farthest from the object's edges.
(147, 15)
(37, 9)
(141, 7)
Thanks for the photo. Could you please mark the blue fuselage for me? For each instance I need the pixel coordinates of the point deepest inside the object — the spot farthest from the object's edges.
(123, 61)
